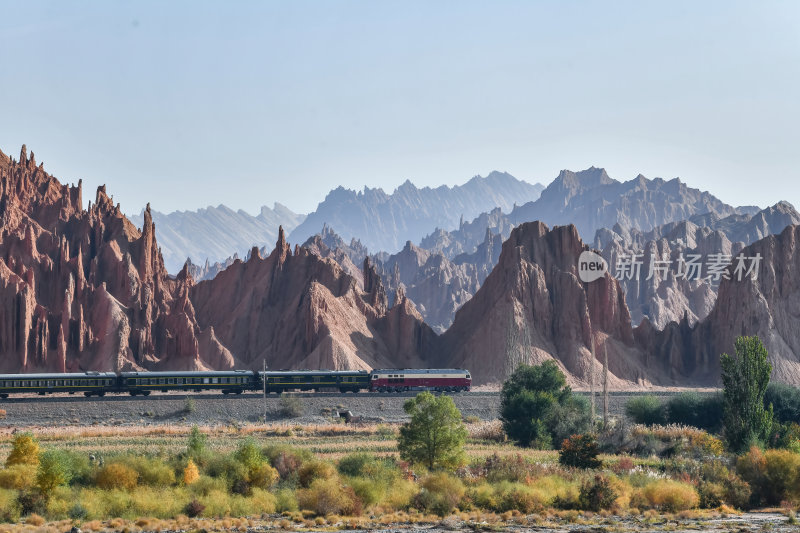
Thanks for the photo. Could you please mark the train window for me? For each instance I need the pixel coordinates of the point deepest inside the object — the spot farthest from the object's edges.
(374, 376)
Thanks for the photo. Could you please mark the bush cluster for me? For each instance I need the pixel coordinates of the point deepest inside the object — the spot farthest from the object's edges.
(538, 409)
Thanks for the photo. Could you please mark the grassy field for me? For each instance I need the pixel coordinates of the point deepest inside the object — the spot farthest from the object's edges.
(328, 442)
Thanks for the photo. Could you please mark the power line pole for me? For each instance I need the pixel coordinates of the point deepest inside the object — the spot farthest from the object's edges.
(591, 380)
(605, 386)
(264, 379)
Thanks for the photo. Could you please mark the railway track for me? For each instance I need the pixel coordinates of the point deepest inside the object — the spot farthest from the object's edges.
(67, 398)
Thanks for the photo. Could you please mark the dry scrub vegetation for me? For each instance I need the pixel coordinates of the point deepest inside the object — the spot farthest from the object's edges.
(336, 476)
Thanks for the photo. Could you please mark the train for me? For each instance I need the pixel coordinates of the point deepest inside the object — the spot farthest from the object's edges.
(239, 381)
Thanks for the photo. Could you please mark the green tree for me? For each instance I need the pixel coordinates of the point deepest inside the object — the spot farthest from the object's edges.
(24, 450)
(745, 377)
(54, 470)
(197, 442)
(435, 435)
(537, 407)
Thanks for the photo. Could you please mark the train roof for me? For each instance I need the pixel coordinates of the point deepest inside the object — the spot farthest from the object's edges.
(73, 375)
(195, 373)
(309, 372)
(421, 371)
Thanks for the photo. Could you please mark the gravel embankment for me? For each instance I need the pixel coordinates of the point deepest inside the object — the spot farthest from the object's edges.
(211, 409)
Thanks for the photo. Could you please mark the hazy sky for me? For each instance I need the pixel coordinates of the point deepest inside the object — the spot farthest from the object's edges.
(246, 103)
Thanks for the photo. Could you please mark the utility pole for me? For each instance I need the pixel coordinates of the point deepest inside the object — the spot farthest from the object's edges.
(264, 379)
(591, 380)
(605, 386)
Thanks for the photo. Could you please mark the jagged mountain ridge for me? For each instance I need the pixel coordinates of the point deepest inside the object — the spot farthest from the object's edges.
(591, 200)
(300, 310)
(212, 234)
(385, 222)
(84, 289)
(668, 297)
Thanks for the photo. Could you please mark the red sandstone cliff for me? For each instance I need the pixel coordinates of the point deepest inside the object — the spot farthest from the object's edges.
(83, 288)
(300, 310)
(533, 307)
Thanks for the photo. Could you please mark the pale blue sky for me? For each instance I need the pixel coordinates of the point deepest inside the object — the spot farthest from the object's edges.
(186, 104)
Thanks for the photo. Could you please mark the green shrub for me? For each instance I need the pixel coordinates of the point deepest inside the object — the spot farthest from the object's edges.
(285, 500)
(248, 453)
(504, 468)
(541, 390)
(785, 401)
(54, 470)
(117, 476)
(152, 471)
(262, 501)
(262, 476)
(18, 476)
(226, 467)
(597, 494)
(670, 496)
(286, 460)
(368, 491)
(32, 502)
(196, 447)
(205, 484)
(440, 494)
(77, 512)
(355, 464)
(693, 409)
(24, 450)
(781, 476)
(81, 470)
(327, 496)
(786, 435)
(571, 416)
(580, 451)
(773, 476)
(151, 501)
(291, 406)
(9, 506)
(358, 464)
(314, 470)
(712, 495)
(646, 410)
(516, 497)
(400, 494)
(189, 406)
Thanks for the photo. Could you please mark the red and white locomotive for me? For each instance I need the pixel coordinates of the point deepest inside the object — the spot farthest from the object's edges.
(412, 379)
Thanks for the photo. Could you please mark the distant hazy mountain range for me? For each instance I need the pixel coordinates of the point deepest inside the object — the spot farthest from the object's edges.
(381, 221)
(591, 200)
(215, 233)
(386, 221)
